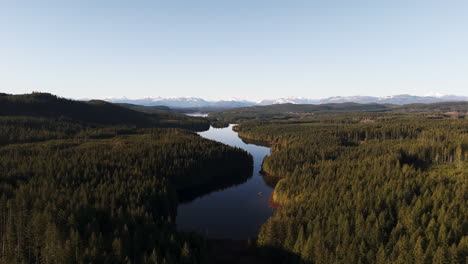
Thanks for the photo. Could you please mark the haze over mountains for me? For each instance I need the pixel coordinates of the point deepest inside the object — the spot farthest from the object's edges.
(188, 102)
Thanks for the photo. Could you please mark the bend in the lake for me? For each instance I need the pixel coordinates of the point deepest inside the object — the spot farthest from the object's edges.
(233, 210)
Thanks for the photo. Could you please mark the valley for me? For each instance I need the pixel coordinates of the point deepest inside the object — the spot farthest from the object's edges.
(341, 183)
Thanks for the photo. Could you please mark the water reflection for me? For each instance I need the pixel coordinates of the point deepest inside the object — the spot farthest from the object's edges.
(235, 210)
(215, 185)
(271, 181)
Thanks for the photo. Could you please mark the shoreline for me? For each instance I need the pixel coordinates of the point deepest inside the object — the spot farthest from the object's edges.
(274, 204)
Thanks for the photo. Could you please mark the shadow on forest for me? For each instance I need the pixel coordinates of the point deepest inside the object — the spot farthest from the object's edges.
(228, 251)
(414, 160)
(271, 181)
(222, 182)
(262, 143)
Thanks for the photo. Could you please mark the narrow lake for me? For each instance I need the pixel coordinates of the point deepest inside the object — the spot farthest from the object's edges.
(236, 212)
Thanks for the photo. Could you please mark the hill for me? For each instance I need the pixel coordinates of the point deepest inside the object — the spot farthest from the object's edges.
(146, 109)
(95, 182)
(461, 107)
(288, 111)
(44, 105)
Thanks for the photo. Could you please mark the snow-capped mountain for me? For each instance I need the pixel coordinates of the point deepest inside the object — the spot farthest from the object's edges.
(183, 102)
(289, 100)
(195, 102)
(394, 99)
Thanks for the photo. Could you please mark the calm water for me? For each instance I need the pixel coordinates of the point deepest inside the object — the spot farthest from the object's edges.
(197, 114)
(236, 212)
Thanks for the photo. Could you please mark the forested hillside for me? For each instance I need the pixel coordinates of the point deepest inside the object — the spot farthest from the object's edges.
(286, 111)
(91, 113)
(94, 182)
(78, 189)
(461, 107)
(147, 109)
(309, 111)
(367, 188)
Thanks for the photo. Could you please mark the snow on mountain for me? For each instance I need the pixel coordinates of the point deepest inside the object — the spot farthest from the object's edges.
(394, 99)
(289, 100)
(182, 102)
(195, 102)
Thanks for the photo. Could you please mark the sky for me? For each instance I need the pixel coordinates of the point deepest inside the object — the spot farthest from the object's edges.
(223, 49)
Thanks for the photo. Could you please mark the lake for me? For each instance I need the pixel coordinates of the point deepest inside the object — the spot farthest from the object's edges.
(197, 114)
(236, 212)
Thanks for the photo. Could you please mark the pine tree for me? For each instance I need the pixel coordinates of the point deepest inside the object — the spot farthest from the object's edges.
(440, 256)
(308, 250)
(117, 248)
(380, 257)
(154, 257)
(299, 245)
(289, 241)
(185, 253)
(418, 252)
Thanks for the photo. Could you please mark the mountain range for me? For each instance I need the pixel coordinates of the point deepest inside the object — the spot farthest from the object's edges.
(195, 102)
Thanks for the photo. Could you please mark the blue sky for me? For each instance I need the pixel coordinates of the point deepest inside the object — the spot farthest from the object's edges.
(244, 49)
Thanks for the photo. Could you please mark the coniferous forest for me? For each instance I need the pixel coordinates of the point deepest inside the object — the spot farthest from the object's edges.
(367, 188)
(79, 187)
(94, 182)
(234, 132)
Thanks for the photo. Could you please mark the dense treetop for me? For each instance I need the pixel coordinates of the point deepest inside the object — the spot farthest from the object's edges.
(295, 111)
(367, 188)
(49, 106)
(92, 182)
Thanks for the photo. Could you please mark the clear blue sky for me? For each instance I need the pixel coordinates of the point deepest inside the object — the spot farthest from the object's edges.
(238, 48)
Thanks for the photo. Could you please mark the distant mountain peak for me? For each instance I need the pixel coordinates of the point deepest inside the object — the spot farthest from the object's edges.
(196, 102)
(435, 94)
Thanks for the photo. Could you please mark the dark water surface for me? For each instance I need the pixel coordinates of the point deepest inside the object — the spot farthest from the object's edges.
(236, 212)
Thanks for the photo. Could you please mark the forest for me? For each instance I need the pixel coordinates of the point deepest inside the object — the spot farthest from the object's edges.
(90, 113)
(95, 182)
(79, 186)
(303, 112)
(366, 187)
